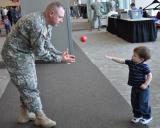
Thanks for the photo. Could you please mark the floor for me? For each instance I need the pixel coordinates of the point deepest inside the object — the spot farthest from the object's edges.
(100, 43)
(75, 95)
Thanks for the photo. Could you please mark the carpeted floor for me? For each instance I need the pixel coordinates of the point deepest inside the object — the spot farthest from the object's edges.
(75, 95)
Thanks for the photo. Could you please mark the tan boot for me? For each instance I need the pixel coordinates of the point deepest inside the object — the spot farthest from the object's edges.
(43, 121)
(25, 116)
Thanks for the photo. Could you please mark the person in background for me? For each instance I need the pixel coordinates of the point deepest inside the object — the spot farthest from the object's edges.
(16, 14)
(141, 9)
(139, 79)
(10, 14)
(1, 13)
(113, 5)
(4, 12)
(7, 24)
(97, 13)
(29, 39)
(133, 7)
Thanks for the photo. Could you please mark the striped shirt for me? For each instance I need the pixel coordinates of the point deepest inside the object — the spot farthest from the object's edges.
(137, 73)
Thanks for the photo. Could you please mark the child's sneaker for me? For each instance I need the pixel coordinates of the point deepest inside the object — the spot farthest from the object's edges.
(136, 120)
(146, 121)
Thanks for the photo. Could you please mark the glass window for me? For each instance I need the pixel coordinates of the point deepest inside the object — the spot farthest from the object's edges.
(124, 4)
(114, 4)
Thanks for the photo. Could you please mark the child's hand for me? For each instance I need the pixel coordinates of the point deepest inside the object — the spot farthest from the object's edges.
(108, 57)
(143, 86)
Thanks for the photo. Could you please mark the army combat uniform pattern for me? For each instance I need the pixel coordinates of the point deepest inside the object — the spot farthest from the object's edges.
(29, 39)
(97, 13)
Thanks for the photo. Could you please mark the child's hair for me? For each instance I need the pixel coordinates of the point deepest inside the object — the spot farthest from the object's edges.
(143, 52)
(132, 4)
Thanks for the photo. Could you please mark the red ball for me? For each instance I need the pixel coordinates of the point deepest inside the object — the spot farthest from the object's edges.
(83, 38)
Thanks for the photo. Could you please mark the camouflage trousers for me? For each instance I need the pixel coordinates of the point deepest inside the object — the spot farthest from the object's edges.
(22, 72)
(95, 18)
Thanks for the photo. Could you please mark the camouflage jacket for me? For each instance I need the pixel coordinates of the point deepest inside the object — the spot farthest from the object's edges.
(97, 8)
(31, 35)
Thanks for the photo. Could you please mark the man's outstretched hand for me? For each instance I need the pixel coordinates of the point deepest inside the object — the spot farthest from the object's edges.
(68, 58)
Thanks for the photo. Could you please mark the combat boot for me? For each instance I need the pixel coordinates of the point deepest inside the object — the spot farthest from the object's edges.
(25, 116)
(43, 121)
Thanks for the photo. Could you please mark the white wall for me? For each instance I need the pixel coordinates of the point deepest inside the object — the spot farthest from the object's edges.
(142, 3)
(124, 4)
(83, 1)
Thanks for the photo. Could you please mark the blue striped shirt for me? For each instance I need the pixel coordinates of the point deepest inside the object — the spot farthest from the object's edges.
(137, 73)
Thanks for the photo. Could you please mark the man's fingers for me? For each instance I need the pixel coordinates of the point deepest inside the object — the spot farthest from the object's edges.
(71, 56)
(71, 59)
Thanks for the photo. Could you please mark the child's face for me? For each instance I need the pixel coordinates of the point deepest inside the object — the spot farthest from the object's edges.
(136, 58)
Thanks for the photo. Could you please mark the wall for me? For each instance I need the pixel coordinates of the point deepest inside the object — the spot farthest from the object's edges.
(4, 3)
(124, 4)
(71, 2)
(83, 1)
(62, 34)
(142, 3)
(78, 1)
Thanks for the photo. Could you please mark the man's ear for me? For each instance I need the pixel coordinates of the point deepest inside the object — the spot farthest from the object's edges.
(51, 13)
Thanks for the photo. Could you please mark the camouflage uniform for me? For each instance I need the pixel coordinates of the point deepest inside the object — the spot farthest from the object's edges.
(97, 13)
(29, 39)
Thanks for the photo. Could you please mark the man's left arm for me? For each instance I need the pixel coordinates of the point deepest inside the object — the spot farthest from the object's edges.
(50, 47)
(48, 44)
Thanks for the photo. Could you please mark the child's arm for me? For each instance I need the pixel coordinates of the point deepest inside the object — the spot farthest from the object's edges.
(147, 82)
(115, 59)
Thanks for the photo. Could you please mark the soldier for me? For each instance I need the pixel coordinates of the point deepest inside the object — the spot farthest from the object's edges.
(30, 39)
(97, 13)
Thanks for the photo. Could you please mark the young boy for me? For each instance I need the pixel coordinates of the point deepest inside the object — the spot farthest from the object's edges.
(140, 77)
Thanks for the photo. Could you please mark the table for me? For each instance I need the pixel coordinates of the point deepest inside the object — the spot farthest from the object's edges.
(133, 30)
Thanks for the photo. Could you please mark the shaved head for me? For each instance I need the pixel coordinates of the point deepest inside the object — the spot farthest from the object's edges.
(54, 13)
(54, 5)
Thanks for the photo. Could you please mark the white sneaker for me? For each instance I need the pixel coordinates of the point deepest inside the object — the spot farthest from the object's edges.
(25, 116)
(146, 121)
(43, 121)
(136, 120)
